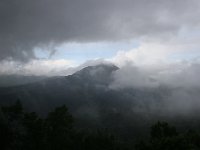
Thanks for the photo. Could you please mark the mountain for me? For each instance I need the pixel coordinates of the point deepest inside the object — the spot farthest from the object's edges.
(94, 104)
(15, 80)
(74, 90)
(86, 93)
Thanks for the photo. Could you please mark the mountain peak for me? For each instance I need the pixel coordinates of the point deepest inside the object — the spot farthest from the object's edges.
(100, 73)
(97, 69)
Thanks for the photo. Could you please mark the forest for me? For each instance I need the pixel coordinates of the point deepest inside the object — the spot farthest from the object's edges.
(23, 130)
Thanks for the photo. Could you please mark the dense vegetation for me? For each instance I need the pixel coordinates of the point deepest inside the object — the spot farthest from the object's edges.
(165, 137)
(20, 130)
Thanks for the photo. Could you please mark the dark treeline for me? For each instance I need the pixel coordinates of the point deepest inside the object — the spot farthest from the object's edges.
(166, 137)
(20, 130)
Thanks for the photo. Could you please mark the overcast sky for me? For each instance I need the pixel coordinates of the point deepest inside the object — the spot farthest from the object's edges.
(43, 37)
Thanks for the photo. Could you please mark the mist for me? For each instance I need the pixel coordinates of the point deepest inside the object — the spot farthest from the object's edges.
(176, 83)
(97, 74)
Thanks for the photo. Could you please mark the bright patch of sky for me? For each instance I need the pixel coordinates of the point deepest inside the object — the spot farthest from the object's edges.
(184, 46)
(81, 52)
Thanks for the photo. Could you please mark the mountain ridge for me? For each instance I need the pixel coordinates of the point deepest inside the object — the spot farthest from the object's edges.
(93, 103)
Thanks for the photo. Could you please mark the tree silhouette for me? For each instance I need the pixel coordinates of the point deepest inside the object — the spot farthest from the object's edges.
(20, 130)
(58, 126)
(12, 128)
(162, 129)
(165, 137)
(34, 130)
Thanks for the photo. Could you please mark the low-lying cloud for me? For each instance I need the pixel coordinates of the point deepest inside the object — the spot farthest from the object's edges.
(36, 67)
(177, 74)
(174, 87)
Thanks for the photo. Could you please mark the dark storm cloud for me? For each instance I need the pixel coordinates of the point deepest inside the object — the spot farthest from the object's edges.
(25, 24)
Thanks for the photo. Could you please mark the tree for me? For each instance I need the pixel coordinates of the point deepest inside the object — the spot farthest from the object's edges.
(100, 140)
(20, 130)
(34, 129)
(58, 126)
(11, 129)
(162, 129)
(165, 137)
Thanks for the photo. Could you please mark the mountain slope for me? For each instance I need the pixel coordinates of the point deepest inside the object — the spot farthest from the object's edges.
(54, 91)
(16, 80)
(94, 105)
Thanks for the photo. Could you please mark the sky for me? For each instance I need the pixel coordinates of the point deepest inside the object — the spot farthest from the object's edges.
(55, 37)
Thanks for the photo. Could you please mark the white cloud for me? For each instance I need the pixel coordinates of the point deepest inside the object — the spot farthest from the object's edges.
(156, 51)
(173, 62)
(184, 74)
(35, 67)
